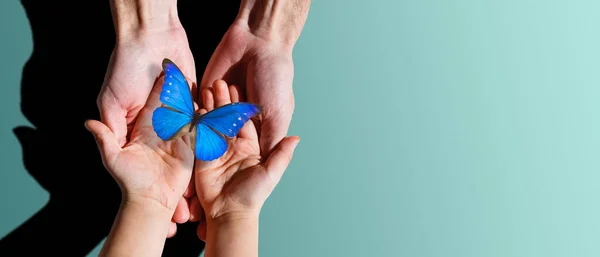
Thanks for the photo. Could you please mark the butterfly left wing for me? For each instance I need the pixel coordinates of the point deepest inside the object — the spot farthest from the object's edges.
(175, 89)
(168, 123)
(209, 145)
(229, 119)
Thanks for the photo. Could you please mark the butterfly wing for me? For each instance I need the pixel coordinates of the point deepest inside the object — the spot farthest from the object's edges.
(214, 126)
(176, 91)
(167, 122)
(229, 119)
(209, 145)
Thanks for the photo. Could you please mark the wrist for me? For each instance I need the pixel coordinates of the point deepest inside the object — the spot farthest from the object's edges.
(232, 234)
(147, 206)
(274, 20)
(139, 229)
(135, 18)
(232, 218)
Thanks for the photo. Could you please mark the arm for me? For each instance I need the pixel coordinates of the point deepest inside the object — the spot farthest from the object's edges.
(233, 188)
(275, 20)
(146, 32)
(232, 235)
(140, 229)
(152, 174)
(256, 54)
(133, 17)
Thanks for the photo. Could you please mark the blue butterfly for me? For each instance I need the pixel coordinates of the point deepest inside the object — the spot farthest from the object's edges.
(212, 128)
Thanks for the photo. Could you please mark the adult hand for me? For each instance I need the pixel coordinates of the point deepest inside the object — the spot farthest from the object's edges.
(147, 32)
(256, 54)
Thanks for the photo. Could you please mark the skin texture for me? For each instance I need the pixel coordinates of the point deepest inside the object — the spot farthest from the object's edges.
(153, 174)
(256, 54)
(147, 32)
(233, 188)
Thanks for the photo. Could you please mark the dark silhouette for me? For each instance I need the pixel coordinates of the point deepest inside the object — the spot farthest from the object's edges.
(60, 83)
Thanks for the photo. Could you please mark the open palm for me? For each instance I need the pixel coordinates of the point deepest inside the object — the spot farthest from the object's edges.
(133, 68)
(264, 71)
(240, 180)
(147, 168)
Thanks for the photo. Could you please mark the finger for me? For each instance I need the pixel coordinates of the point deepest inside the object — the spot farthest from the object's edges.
(221, 93)
(196, 212)
(234, 93)
(153, 100)
(201, 231)
(272, 128)
(190, 190)
(182, 211)
(248, 131)
(280, 158)
(187, 139)
(241, 93)
(193, 89)
(115, 117)
(208, 98)
(196, 106)
(105, 139)
(172, 230)
(217, 67)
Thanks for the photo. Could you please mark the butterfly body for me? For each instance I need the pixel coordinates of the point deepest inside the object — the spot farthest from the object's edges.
(195, 120)
(211, 129)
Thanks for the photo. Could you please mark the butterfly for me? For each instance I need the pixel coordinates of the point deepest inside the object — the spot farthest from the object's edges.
(177, 116)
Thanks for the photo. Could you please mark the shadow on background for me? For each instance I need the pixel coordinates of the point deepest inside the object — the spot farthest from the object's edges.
(72, 44)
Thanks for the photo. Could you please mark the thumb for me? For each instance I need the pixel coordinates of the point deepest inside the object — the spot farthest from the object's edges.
(272, 131)
(105, 139)
(280, 158)
(115, 118)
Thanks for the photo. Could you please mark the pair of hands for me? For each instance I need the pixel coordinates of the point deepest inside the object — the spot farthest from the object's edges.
(259, 60)
(156, 173)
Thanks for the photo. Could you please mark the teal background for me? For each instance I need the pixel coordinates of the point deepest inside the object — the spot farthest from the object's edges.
(429, 128)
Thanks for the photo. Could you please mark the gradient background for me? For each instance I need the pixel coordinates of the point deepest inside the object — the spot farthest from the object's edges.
(461, 128)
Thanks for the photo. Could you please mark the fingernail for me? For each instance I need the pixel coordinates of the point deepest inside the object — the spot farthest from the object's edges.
(296, 143)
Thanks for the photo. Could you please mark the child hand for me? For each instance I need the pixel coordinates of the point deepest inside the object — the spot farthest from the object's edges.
(149, 171)
(237, 184)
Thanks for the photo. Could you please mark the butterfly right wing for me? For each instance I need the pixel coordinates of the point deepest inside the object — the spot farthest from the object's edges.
(230, 118)
(209, 145)
(167, 122)
(175, 89)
